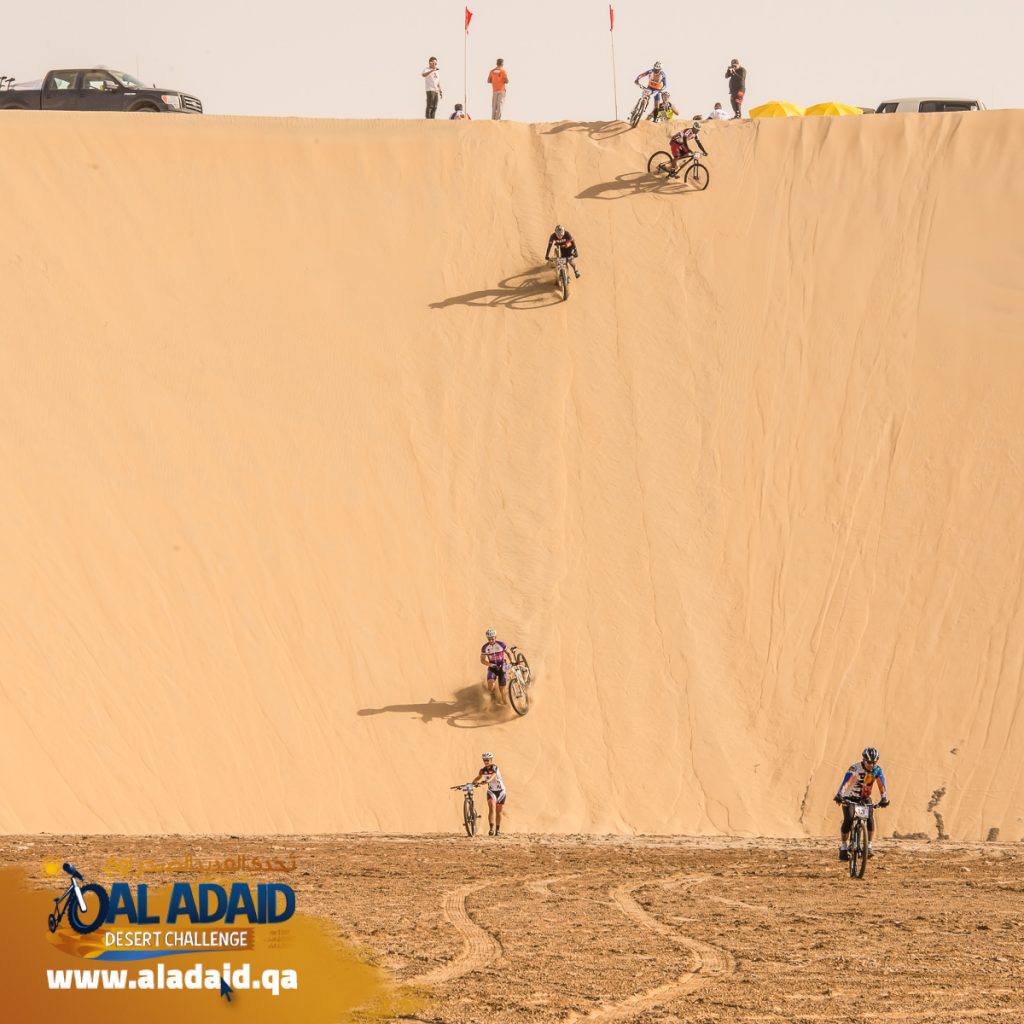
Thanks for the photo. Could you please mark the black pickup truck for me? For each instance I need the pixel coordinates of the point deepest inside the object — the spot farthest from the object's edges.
(96, 89)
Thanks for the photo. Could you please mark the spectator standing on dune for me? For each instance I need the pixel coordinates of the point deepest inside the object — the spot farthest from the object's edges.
(498, 80)
(432, 80)
(737, 76)
(718, 114)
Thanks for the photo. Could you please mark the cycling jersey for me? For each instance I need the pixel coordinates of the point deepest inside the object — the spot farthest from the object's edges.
(680, 143)
(859, 781)
(495, 784)
(656, 80)
(494, 652)
(566, 243)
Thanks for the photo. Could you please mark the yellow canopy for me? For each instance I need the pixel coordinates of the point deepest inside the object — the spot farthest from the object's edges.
(831, 110)
(777, 109)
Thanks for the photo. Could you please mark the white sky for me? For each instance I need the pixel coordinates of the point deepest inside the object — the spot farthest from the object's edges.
(363, 59)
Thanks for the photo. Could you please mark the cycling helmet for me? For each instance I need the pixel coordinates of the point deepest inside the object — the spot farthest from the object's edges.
(559, 230)
(665, 94)
(486, 756)
(657, 65)
(491, 634)
(870, 754)
(696, 125)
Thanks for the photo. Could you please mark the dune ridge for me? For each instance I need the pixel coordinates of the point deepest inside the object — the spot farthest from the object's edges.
(290, 417)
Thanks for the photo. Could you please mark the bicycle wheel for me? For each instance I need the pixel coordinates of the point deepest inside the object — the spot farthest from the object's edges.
(638, 111)
(697, 176)
(469, 815)
(659, 163)
(858, 850)
(96, 910)
(517, 695)
(563, 283)
(524, 669)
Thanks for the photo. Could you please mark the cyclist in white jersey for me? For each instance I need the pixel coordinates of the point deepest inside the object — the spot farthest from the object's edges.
(496, 794)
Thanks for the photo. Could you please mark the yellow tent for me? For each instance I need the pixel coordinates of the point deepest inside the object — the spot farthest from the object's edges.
(777, 109)
(831, 110)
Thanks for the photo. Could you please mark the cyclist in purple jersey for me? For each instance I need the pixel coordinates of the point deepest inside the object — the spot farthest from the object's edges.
(492, 654)
(859, 780)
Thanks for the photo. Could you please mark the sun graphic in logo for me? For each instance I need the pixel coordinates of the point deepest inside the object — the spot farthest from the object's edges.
(50, 867)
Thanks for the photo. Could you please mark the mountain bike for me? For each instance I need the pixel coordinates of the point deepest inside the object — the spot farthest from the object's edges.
(83, 917)
(561, 275)
(519, 678)
(469, 812)
(859, 835)
(695, 174)
(641, 106)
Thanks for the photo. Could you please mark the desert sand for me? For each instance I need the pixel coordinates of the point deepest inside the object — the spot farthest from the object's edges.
(578, 929)
(291, 414)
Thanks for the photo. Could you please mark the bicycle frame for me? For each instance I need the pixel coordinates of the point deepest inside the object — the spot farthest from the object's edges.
(65, 899)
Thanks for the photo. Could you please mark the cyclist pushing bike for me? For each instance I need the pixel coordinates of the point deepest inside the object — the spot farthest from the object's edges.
(856, 787)
(496, 794)
(680, 143)
(564, 245)
(657, 80)
(493, 655)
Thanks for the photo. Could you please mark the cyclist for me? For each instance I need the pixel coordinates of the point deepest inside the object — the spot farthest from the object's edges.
(496, 794)
(492, 654)
(857, 784)
(656, 81)
(565, 245)
(680, 143)
(664, 110)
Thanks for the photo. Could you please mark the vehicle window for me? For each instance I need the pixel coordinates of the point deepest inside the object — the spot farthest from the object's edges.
(62, 80)
(887, 108)
(101, 81)
(940, 106)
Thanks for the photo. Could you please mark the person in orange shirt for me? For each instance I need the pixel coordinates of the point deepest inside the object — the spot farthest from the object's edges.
(497, 80)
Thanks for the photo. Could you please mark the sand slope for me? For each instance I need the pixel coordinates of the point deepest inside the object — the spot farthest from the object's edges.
(285, 425)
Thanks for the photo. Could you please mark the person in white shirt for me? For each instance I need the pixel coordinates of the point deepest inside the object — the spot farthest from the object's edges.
(718, 114)
(432, 80)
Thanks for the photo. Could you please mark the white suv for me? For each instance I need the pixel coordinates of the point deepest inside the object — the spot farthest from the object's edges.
(926, 105)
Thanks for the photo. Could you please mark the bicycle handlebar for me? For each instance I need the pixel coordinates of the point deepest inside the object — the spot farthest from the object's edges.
(860, 803)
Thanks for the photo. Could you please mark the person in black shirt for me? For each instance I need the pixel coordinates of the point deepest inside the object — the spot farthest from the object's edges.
(565, 244)
(737, 76)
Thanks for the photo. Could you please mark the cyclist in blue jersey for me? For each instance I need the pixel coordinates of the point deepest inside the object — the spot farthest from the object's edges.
(656, 81)
(492, 654)
(859, 780)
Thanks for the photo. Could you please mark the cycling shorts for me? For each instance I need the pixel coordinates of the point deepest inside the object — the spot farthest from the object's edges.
(496, 672)
(680, 149)
(497, 798)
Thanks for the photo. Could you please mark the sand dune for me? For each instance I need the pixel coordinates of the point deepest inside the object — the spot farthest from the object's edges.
(289, 418)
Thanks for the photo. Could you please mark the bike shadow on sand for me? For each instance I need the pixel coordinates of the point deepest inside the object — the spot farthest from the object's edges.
(470, 708)
(636, 183)
(532, 289)
(597, 130)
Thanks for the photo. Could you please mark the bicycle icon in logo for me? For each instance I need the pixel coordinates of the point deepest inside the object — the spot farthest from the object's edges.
(85, 905)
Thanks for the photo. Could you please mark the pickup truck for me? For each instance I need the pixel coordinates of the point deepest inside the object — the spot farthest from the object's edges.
(96, 89)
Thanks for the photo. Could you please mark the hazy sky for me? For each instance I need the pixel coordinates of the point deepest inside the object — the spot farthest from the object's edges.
(363, 59)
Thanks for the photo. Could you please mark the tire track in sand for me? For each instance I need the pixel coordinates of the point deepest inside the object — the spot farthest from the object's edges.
(711, 961)
(479, 945)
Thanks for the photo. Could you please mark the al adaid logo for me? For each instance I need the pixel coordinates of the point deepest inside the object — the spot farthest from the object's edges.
(134, 923)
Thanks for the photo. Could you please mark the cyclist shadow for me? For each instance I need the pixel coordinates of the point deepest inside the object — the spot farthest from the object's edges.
(636, 183)
(532, 289)
(597, 130)
(470, 708)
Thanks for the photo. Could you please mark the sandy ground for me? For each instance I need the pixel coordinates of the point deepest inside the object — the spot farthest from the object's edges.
(529, 929)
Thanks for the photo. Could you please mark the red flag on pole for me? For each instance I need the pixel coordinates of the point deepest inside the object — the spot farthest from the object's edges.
(611, 18)
(469, 18)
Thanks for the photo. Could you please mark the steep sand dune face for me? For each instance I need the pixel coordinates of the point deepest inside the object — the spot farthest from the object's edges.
(288, 420)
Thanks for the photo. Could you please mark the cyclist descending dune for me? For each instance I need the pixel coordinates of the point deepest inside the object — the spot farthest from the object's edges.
(493, 655)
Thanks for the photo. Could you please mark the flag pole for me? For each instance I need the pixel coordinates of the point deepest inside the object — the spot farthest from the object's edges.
(465, 64)
(611, 29)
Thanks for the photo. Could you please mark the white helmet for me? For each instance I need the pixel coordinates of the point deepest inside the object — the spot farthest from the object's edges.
(657, 65)
(486, 756)
(491, 634)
